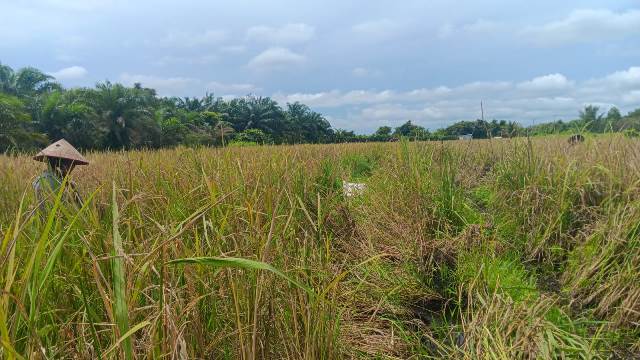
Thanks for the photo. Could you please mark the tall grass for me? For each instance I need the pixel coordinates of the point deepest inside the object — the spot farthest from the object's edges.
(484, 249)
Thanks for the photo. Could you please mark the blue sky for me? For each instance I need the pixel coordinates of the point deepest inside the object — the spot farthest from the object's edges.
(361, 63)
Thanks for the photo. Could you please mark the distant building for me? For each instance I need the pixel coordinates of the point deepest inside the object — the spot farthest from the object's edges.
(465, 137)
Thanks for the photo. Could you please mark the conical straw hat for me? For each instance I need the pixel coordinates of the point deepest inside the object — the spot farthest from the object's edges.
(63, 150)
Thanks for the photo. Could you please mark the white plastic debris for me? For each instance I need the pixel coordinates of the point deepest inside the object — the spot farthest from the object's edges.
(353, 189)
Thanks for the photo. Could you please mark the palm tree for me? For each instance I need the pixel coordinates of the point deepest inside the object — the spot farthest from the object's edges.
(264, 114)
(126, 112)
(223, 128)
(189, 104)
(6, 78)
(255, 113)
(15, 124)
(26, 82)
(70, 116)
(29, 84)
(307, 125)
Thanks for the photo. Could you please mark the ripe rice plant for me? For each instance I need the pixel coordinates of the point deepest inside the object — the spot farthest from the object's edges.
(510, 249)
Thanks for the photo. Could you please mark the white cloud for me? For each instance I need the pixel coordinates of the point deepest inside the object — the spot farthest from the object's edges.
(546, 83)
(625, 78)
(444, 112)
(633, 97)
(428, 94)
(379, 29)
(336, 98)
(539, 99)
(193, 39)
(70, 73)
(398, 111)
(328, 99)
(485, 87)
(586, 26)
(287, 34)
(166, 86)
(276, 58)
(187, 86)
(231, 89)
(363, 96)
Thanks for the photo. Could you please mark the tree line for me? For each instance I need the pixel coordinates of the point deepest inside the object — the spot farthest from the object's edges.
(35, 109)
(591, 119)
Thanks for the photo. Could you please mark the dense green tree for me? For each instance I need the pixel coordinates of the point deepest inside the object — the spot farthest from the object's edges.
(407, 129)
(15, 125)
(481, 129)
(412, 131)
(404, 129)
(630, 121)
(590, 113)
(253, 136)
(173, 131)
(613, 115)
(26, 82)
(383, 133)
(613, 119)
(554, 127)
(591, 119)
(254, 113)
(33, 107)
(69, 115)
(210, 118)
(190, 104)
(304, 125)
(128, 115)
(342, 136)
(29, 84)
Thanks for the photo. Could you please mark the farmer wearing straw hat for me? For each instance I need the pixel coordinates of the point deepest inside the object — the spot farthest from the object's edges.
(61, 157)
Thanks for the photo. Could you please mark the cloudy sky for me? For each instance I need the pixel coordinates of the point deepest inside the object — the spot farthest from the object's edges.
(361, 63)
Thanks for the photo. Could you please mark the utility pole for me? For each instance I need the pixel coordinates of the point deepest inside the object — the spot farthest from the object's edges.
(486, 126)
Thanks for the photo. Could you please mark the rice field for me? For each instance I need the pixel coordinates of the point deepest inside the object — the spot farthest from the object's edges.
(484, 249)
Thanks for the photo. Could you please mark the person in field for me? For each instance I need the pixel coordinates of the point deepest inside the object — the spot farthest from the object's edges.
(576, 139)
(60, 157)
